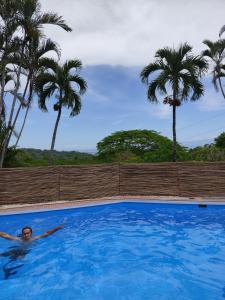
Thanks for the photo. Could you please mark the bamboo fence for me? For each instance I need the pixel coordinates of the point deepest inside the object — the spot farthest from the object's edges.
(65, 183)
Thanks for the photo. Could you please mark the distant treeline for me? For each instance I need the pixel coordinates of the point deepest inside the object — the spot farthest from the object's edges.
(35, 157)
(132, 146)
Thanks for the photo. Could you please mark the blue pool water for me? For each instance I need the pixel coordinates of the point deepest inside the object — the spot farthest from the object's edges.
(117, 251)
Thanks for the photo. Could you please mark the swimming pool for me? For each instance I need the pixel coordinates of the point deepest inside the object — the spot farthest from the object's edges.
(117, 251)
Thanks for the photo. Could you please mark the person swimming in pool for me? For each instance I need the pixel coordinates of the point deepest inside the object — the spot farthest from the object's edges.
(16, 253)
(26, 235)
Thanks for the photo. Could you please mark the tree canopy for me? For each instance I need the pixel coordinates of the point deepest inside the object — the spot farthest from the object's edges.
(220, 141)
(136, 145)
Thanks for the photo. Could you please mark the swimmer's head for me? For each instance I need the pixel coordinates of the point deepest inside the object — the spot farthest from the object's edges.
(26, 233)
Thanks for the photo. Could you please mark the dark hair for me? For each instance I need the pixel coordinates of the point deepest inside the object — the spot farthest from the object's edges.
(27, 227)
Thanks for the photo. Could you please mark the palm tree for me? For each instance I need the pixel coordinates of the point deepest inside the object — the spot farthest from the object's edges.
(216, 52)
(30, 20)
(179, 70)
(33, 64)
(58, 81)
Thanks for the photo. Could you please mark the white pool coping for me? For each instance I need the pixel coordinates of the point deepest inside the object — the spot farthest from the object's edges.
(62, 205)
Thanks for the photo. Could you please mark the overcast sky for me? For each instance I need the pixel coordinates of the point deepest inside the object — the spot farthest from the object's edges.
(128, 32)
(115, 39)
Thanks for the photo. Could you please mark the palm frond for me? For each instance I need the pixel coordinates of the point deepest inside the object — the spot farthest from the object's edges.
(215, 48)
(43, 94)
(186, 83)
(222, 67)
(157, 85)
(208, 43)
(80, 82)
(46, 46)
(207, 53)
(200, 63)
(198, 89)
(48, 63)
(165, 52)
(183, 50)
(195, 64)
(149, 69)
(191, 83)
(73, 101)
(72, 64)
(43, 79)
(54, 19)
(214, 79)
(222, 31)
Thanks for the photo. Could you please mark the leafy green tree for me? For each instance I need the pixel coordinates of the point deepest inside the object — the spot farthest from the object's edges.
(216, 53)
(220, 141)
(36, 157)
(136, 146)
(206, 153)
(179, 70)
(61, 81)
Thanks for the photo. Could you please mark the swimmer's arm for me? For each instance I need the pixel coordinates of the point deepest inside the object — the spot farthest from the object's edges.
(47, 233)
(9, 237)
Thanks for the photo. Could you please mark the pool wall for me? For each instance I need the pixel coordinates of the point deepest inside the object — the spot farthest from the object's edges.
(69, 183)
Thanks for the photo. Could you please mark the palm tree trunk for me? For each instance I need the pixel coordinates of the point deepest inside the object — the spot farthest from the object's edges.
(221, 87)
(54, 135)
(2, 92)
(16, 88)
(25, 117)
(24, 121)
(3, 79)
(174, 134)
(18, 111)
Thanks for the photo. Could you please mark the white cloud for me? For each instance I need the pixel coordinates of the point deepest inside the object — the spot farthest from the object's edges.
(129, 32)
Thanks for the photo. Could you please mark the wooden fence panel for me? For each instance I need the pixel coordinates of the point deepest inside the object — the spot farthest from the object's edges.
(92, 181)
(201, 179)
(46, 184)
(149, 179)
(28, 185)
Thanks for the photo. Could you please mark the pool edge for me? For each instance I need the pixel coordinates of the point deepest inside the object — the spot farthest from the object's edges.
(61, 205)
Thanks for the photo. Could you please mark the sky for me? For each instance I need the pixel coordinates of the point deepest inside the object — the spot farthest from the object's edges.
(115, 39)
